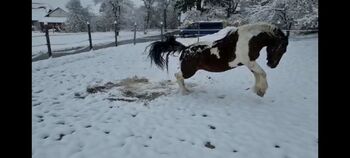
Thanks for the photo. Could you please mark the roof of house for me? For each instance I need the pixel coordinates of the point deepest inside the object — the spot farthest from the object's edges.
(55, 10)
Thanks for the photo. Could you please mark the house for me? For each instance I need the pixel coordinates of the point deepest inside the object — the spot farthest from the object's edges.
(42, 13)
(39, 10)
(55, 19)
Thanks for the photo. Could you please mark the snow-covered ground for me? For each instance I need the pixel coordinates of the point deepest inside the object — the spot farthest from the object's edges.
(111, 103)
(61, 41)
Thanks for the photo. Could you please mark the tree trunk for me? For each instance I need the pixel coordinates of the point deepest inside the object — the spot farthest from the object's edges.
(164, 16)
(198, 5)
(147, 21)
(228, 11)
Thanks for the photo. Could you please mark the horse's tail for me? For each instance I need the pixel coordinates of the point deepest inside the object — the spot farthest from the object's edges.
(160, 48)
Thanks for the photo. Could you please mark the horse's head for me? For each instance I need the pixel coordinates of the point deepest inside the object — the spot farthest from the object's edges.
(277, 48)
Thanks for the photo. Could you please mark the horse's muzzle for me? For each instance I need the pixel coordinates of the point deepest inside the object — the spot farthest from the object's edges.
(274, 65)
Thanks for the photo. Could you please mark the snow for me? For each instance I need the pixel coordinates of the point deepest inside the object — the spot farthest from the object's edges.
(61, 41)
(69, 122)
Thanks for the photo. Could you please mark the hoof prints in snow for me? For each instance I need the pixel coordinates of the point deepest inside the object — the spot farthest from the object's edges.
(121, 99)
(80, 96)
(36, 104)
(208, 145)
(106, 132)
(46, 136)
(212, 127)
(60, 137)
(131, 90)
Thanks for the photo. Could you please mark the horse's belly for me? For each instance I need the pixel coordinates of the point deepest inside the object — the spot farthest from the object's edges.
(215, 66)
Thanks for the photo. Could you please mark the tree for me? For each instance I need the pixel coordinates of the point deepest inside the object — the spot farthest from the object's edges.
(148, 5)
(230, 6)
(77, 16)
(298, 12)
(115, 4)
(164, 4)
(115, 10)
(186, 5)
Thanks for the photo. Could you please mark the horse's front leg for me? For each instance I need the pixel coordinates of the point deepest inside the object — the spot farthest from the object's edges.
(261, 85)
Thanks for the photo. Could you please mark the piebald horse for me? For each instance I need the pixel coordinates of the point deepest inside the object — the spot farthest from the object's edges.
(240, 46)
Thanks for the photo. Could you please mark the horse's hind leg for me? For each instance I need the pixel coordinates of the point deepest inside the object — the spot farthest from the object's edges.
(180, 80)
(188, 68)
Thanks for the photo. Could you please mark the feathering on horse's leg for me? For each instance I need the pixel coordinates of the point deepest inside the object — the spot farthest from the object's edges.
(261, 85)
(180, 80)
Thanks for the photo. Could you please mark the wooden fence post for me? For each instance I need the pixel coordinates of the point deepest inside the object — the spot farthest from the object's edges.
(198, 28)
(135, 33)
(116, 33)
(89, 32)
(47, 38)
(161, 31)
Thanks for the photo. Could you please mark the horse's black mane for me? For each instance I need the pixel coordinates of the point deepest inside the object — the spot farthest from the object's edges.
(225, 39)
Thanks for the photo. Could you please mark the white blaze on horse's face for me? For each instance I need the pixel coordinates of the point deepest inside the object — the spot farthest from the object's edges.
(215, 51)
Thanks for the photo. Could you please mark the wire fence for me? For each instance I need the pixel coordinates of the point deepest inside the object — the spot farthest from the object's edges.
(197, 32)
(74, 46)
(39, 45)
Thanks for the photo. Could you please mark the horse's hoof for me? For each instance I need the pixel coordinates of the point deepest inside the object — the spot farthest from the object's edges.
(260, 93)
(185, 92)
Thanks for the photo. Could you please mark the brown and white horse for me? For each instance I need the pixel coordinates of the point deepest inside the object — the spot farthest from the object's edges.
(241, 46)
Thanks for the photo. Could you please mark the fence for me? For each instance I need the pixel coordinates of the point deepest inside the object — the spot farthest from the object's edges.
(90, 45)
(76, 44)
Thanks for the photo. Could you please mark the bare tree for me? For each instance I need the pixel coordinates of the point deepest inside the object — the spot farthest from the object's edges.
(164, 4)
(148, 5)
(115, 4)
(186, 5)
(229, 5)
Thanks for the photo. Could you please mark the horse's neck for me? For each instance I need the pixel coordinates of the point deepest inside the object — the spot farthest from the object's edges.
(257, 42)
(263, 39)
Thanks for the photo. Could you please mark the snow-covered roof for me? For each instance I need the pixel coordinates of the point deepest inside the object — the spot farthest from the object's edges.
(58, 8)
(53, 19)
(38, 14)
